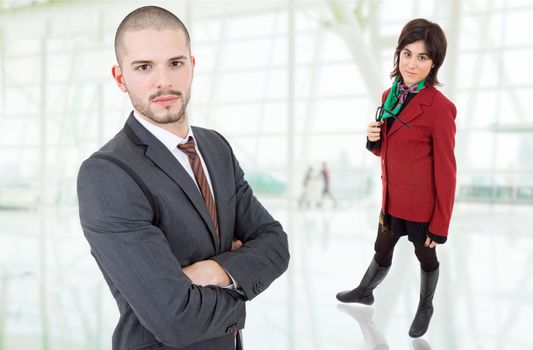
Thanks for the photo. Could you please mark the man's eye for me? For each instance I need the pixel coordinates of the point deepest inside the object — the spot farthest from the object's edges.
(176, 63)
(143, 67)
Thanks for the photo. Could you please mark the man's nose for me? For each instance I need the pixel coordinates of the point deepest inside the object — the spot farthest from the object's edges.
(162, 79)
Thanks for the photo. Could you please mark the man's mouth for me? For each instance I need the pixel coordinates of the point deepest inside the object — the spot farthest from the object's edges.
(165, 100)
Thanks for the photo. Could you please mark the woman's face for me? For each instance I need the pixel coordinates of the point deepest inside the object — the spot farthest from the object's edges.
(415, 63)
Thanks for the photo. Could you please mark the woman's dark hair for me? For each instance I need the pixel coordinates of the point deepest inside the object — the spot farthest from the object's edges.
(434, 39)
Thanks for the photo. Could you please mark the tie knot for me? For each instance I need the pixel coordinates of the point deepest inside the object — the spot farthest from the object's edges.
(188, 147)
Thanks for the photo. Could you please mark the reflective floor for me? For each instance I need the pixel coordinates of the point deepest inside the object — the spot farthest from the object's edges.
(484, 299)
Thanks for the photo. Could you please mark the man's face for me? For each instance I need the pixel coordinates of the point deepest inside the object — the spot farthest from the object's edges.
(156, 71)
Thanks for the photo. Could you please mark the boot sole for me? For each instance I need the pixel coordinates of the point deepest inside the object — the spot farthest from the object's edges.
(366, 301)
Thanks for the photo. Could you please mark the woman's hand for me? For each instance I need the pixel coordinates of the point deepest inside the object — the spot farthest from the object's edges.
(430, 243)
(373, 131)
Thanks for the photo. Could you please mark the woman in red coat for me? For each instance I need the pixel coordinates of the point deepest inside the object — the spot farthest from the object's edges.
(414, 134)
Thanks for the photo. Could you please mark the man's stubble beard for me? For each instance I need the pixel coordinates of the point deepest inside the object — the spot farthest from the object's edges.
(179, 117)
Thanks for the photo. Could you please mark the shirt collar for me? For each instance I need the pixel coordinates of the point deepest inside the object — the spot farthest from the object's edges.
(167, 138)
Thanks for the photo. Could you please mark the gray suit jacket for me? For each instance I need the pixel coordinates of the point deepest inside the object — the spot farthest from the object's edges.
(144, 219)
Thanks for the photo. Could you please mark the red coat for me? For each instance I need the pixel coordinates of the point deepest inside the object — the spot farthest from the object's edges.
(418, 168)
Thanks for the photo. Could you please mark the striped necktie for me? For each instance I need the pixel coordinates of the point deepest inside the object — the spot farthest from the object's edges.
(190, 150)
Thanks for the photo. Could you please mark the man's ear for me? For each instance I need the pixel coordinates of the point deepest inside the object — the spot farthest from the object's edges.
(116, 71)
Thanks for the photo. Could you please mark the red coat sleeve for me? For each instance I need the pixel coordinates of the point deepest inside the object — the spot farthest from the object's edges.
(376, 147)
(444, 169)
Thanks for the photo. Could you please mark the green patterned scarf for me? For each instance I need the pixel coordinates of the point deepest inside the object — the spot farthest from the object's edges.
(397, 95)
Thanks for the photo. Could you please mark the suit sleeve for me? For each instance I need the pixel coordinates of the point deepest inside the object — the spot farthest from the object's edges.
(264, 255)
(136, 257)
(444, 169)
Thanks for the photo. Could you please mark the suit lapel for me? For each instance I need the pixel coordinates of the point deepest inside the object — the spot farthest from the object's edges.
(166, 161)
(413, 109)
(214, 166)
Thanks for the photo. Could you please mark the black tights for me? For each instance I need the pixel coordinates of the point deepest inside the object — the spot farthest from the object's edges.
(384, 247)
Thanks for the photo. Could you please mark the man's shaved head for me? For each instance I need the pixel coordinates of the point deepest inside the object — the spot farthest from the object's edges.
(147, 17)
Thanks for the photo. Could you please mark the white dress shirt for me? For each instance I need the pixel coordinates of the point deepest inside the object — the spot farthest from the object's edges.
(171, 142)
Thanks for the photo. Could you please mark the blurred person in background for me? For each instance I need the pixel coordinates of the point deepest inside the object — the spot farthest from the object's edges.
(325, 175)
(414, 134)
(304, 201)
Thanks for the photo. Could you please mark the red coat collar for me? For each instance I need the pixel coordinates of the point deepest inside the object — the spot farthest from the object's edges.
(414, 108)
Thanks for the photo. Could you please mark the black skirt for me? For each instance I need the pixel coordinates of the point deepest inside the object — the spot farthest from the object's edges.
(416, 232)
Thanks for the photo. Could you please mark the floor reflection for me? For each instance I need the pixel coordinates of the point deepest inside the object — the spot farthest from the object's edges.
(374, 339)
(421, 344)
(484, 300)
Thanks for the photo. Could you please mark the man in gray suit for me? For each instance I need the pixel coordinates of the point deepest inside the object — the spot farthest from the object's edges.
(172, 223)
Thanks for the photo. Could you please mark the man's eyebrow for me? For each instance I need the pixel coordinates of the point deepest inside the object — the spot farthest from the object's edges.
(180, 57)
(141, 62)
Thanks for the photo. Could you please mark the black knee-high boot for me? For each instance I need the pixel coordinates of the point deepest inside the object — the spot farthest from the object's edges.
(428, 283)
(363, 293)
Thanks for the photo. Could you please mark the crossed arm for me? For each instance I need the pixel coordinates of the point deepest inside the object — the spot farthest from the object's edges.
(178, 306)
(137, 261)
(260, 251)
(209, 272)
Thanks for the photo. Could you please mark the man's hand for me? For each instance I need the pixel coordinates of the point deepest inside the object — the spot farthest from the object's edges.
(209, 272)
(236, 245)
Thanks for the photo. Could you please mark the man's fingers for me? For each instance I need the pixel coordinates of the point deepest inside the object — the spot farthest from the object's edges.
(236, 245)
